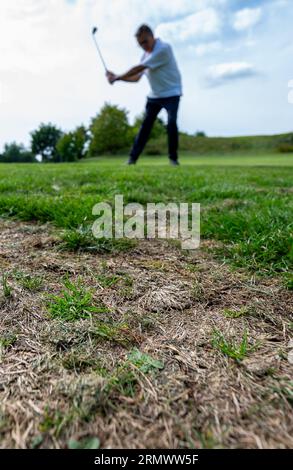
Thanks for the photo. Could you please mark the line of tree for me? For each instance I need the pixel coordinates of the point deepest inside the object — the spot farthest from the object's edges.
(109, 132)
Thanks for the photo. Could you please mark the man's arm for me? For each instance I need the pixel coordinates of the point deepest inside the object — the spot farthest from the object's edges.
(133, 75)
(133, 72)
(134, 78)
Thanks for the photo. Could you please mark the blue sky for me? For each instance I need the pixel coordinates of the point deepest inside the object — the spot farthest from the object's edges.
(235, 57)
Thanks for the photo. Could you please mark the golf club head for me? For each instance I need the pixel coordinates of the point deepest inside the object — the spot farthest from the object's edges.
(95, 29)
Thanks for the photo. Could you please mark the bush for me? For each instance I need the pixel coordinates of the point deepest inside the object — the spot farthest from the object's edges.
(16, 153)
(110, 131)
(72, 146)
(153, 149)
(158, 129)
(44, 141)
(285, 148)
(200, 134)
(288, 139)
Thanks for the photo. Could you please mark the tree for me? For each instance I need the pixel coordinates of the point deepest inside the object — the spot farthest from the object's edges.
(158, 129)
(44, 141)
(110, 131)
(200, 134)
(72, 146)
(16, 153)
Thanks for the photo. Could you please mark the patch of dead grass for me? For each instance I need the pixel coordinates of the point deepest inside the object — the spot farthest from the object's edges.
(55, 376)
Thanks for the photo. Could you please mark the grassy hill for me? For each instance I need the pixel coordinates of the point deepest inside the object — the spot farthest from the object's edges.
(206, 145)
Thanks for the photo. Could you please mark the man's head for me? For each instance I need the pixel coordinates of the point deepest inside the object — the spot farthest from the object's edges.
(145, 37)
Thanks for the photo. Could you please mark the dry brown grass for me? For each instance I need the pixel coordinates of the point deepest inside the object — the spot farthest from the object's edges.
(56, 378)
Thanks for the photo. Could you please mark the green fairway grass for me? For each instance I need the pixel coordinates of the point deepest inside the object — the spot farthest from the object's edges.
(247, 202)
(187, 158)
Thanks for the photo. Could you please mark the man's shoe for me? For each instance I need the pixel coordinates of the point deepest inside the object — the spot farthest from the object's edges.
(174, 163)
(131, 162)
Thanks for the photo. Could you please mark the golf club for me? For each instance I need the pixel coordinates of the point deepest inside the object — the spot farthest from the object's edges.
(94, 31)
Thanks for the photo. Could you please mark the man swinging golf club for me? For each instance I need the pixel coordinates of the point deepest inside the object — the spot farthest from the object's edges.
(159, 65)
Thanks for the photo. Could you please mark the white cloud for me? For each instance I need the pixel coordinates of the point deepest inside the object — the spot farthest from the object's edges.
(220, 73)
(246, 18)
(206, 48)
(33, 35)
(203, 23)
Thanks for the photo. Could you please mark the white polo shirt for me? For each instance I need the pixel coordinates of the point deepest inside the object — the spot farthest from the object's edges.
(162, 71)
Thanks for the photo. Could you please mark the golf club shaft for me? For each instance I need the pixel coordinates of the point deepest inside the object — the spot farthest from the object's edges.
(100, 54)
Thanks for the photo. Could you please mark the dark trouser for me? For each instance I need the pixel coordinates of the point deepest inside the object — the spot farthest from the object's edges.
(153, 107)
